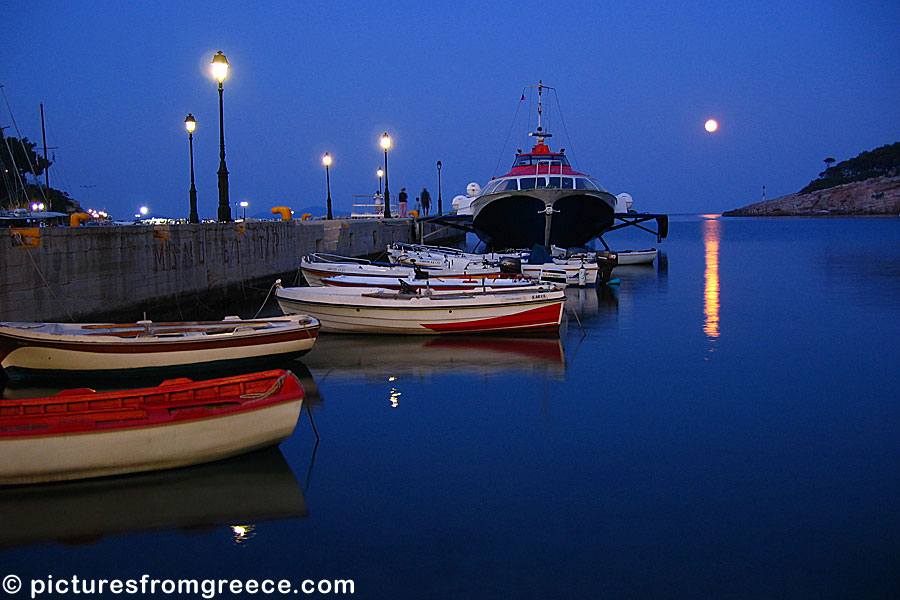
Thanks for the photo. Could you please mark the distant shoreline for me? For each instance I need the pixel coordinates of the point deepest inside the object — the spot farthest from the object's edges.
(872, 197)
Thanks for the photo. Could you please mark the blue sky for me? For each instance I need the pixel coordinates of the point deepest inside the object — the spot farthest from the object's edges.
(790, 83)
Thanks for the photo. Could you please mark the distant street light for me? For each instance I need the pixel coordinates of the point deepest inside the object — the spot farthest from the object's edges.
(380, 173)
(219, 71)
(440, 204)
(326, 160)
(143, 211)
(244, 205)
(191, 124)
(386, 143)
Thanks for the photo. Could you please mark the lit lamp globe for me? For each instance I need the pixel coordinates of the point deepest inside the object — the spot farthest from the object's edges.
(219, 66)
(385, 141)
(326, 160)
(190, 123)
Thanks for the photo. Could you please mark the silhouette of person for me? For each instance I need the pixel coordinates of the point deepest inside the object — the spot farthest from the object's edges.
(426, 202)
(401, 198)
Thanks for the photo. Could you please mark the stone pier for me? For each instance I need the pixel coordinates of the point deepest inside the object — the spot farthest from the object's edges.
(77, 273)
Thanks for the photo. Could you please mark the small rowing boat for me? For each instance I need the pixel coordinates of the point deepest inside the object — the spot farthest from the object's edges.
(367, 310)
(412, 284)
(315, 267)
(145, 344)
(81, 433)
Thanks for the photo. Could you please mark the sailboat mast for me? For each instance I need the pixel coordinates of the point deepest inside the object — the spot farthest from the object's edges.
(47, 168)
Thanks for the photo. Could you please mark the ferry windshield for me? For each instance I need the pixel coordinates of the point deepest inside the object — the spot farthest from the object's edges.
(557, 160)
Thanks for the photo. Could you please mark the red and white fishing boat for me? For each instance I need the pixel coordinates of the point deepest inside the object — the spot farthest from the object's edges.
(317, 266)
(430, 283)
(145, 344)
(365, 310)
(82, 433)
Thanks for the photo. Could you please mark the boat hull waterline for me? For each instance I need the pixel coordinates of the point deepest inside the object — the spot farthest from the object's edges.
(362, 310)
(81, 433)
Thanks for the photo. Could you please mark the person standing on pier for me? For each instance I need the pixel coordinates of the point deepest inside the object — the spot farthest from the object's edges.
(402, 199)
(426, 202)
(379, 202)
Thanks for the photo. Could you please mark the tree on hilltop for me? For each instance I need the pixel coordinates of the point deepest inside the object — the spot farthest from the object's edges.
(875, 163)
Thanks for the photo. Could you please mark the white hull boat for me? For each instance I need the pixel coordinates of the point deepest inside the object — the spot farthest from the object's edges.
(364, 310)
(412, 284)
(636, 257)
(316, 267)
(149, 345)
(581, 274)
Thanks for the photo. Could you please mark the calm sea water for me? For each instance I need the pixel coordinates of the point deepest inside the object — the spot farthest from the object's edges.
(724, 424)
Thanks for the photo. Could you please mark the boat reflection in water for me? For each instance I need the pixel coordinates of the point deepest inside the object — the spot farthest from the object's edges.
(370, 356)
(237, 493)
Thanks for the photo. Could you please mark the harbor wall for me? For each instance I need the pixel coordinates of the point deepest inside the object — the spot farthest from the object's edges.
(80, 273)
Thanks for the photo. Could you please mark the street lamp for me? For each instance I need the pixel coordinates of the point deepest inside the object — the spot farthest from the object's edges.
(326, 160)
(440, 204)
(386, 143)
(244, 205)
(380, 173)
(191, 124)
(219, 71)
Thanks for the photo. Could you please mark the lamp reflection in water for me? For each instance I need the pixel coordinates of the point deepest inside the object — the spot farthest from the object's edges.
(243, 533)
(711, 234)
(395, 394)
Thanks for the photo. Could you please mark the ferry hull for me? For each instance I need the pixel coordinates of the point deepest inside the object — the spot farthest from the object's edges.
(522, 219)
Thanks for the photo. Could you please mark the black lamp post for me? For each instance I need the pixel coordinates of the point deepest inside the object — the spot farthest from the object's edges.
(440, 203)
(326, 160)
(386, 143)
(220, 70)
(191, 124)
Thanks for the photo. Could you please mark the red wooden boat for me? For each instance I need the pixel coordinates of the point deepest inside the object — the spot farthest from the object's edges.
(82, 433)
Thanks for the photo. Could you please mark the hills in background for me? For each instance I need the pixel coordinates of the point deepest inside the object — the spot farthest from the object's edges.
(868, 184)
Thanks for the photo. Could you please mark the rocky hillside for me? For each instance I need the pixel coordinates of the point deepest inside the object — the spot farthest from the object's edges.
(875, 196)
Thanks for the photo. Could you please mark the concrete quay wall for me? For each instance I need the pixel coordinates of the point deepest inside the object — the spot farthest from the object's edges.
(76, 273)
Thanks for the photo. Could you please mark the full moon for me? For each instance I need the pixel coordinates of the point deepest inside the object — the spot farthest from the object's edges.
(711, 125)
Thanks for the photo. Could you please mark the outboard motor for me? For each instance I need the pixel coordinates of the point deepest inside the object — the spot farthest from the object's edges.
(510, 264)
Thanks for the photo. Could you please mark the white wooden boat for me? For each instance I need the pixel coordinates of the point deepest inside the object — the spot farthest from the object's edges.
(82, 433)
(364, 310)
(580, 274)
(636, 257)
(315, 267)
(412, 284)
(145, 344)
(441, 256)
(569, 269)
